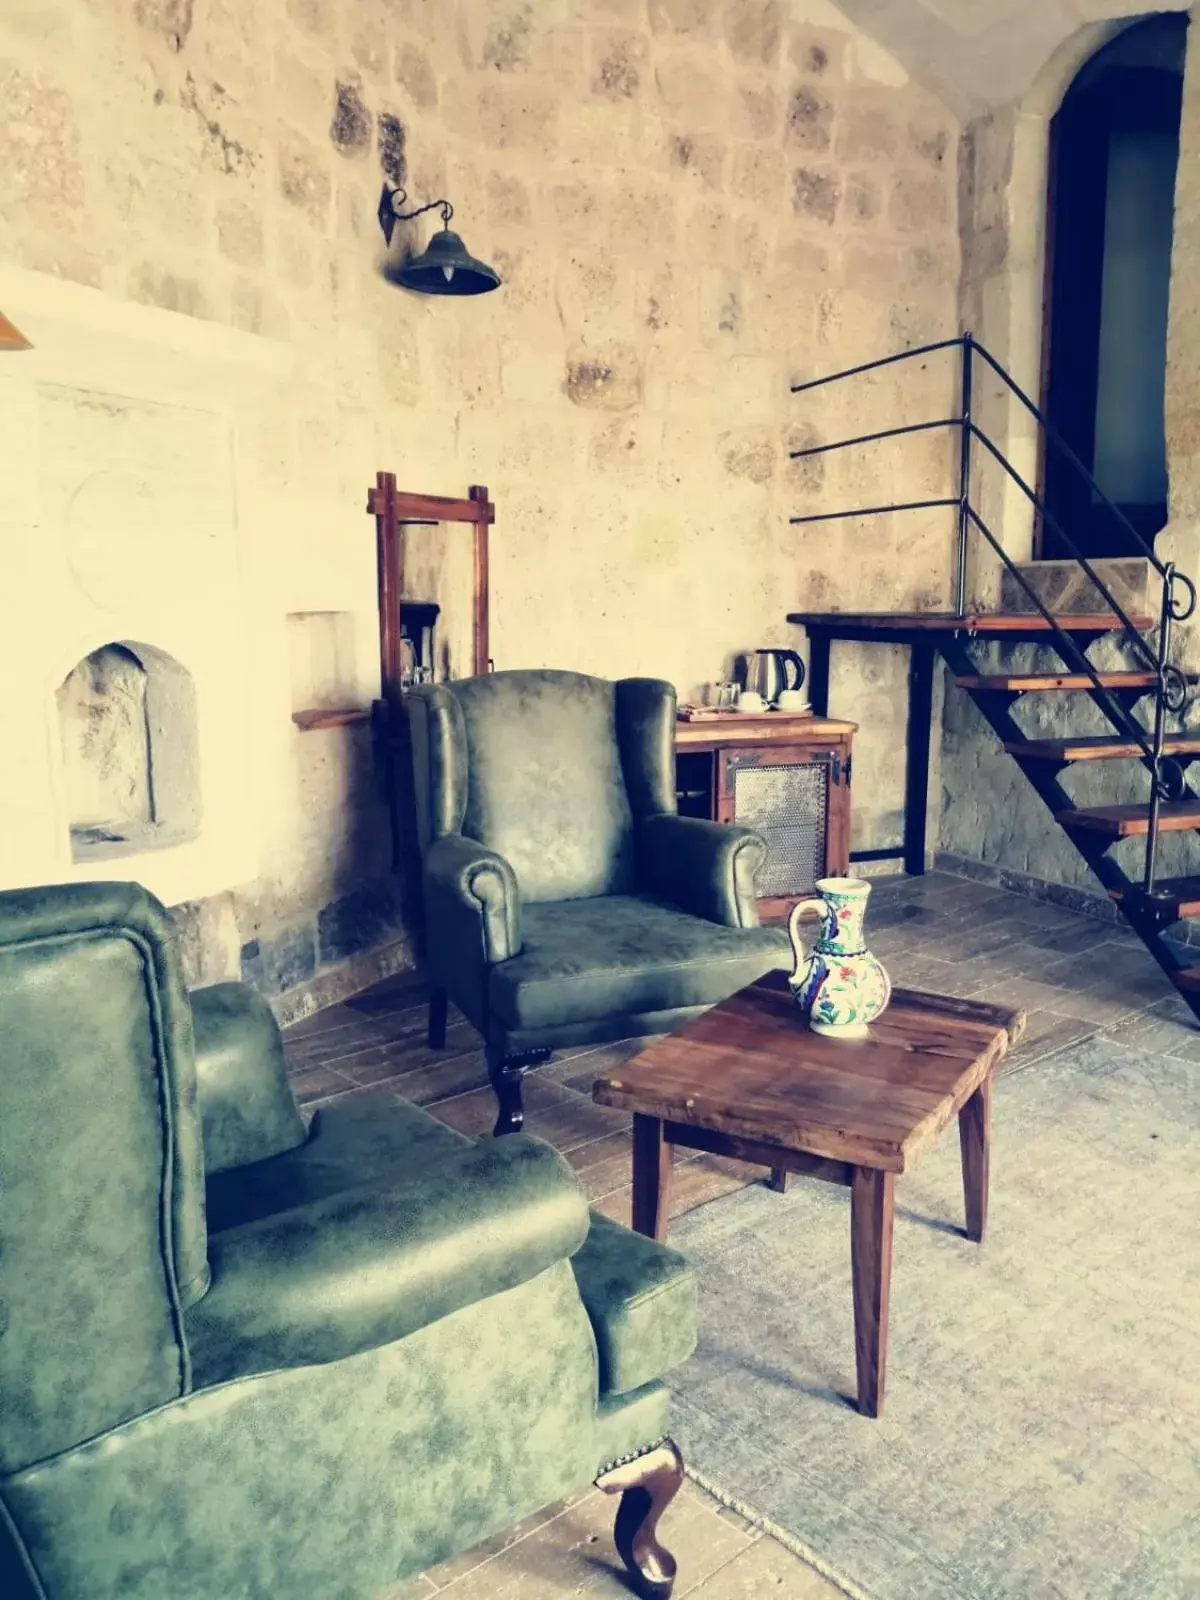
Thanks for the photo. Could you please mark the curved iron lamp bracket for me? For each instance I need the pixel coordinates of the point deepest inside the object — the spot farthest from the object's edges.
(390, 214)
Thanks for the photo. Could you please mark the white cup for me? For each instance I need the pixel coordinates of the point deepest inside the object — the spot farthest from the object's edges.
(792, 700)
(749, 701)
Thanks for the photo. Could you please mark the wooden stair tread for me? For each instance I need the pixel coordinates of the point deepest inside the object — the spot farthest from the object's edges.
(985, 622)
(1027, 682)
(1186, 978)
(1099, 747)
(1124, 822)
(1183, 893)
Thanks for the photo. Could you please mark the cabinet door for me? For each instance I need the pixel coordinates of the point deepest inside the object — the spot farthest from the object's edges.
(795, 796)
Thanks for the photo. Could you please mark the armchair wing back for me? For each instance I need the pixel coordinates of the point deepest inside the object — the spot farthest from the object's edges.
(551, 770)
(102, 1231)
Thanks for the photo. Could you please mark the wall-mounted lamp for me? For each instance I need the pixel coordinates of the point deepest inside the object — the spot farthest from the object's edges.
(445, 265)
(12, 338)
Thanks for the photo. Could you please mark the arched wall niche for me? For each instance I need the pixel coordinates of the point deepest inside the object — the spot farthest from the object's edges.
(130, 751)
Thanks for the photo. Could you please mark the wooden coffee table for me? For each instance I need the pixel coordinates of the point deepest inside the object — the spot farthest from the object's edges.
(748, 1079)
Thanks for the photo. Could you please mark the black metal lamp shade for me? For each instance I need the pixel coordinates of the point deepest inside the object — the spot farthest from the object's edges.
(445, 266)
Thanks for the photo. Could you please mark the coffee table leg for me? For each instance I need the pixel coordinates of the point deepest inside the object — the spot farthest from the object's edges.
(974, 1132)
(872, 1203)
(651, 1178)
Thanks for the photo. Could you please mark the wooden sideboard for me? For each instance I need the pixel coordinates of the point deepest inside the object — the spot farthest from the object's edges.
(786, 776)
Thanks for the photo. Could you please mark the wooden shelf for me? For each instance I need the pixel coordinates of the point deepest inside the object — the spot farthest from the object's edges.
(331, 717)
(771, 728)
(992, 624)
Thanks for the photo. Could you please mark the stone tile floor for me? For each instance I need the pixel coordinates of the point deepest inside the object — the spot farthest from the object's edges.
(1074, 976)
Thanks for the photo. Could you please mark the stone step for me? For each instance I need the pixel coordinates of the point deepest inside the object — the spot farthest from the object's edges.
(1064, 586)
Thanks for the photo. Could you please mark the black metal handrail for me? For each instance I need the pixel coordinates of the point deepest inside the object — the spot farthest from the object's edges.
(871, 438)
(1170, 692)
(881, 361)
(1055, 438)
(970, 345)
(875, 511)
(1052, 522)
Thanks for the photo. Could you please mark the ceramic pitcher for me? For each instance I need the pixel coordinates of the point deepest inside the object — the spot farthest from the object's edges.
(840, 987)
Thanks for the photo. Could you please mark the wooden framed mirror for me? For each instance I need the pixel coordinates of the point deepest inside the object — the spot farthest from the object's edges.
(395, 508)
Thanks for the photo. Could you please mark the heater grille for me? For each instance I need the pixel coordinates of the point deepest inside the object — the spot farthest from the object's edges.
(789, 805)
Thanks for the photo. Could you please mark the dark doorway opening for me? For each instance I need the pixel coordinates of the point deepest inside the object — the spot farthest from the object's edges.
(1114, 148)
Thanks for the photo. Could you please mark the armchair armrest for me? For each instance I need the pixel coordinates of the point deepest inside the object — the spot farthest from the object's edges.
(706, 868)
(475, 890)
(361, 1268)
(247, 1109)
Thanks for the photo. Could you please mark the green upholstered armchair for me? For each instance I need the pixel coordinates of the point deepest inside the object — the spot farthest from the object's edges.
(246, 1359)
(566, 901)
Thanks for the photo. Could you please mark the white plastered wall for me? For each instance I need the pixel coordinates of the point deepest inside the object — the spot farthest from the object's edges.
(124, 515)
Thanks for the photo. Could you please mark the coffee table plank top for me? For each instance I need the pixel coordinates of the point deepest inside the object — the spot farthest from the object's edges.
(751, 1067)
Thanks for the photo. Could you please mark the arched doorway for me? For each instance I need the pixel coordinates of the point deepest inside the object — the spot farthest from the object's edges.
(1114, 147)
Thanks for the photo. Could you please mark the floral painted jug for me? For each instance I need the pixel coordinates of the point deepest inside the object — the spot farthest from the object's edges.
(840, 987)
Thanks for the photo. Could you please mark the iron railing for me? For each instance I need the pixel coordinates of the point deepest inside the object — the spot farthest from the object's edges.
(1178, 592)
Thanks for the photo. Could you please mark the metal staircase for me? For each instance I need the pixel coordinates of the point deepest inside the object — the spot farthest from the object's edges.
(1150, 682)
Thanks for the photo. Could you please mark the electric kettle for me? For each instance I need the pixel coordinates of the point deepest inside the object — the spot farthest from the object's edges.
(769, 672)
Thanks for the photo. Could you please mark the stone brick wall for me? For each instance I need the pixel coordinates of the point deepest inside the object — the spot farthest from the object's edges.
(692, 203)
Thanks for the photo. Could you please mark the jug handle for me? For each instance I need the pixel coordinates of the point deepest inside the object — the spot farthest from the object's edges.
(795, 659)
(799, 910)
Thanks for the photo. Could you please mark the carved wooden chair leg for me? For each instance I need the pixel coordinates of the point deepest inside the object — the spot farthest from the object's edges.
(647, 1485)
(506, 1082)
(506, 1069)
(438, 1005)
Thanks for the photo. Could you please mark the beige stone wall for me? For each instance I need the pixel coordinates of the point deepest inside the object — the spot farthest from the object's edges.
(692, 203)
(1180, 540)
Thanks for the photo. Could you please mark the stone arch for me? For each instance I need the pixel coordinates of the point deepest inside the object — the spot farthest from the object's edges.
(1005, 176)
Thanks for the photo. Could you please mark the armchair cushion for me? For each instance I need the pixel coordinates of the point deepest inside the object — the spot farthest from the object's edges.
(369, 1139)
(246, 1103)
(623, 954)
(333, 1482)
(347, 1272)
(707, 868)
(641, 1300)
